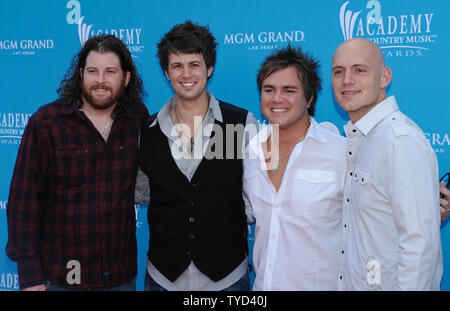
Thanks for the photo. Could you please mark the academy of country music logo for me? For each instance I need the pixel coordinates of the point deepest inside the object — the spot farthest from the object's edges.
(12, 126)
(400, 35)
(132, 37)
(264, 40)
(9, 281)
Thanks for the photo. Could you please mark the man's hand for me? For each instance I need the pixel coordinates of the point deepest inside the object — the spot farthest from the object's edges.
(445, 208)
(36, 288)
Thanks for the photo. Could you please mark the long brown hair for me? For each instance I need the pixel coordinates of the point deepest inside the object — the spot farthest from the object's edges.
(130, 101)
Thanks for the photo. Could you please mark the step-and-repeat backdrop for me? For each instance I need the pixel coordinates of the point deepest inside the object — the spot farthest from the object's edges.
(38, 39)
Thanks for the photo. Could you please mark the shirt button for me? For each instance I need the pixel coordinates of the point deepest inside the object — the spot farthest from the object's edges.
(342, 252)
(191, 236)
(191, 219)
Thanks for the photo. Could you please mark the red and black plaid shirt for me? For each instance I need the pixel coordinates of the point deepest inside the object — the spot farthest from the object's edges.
(72, 198)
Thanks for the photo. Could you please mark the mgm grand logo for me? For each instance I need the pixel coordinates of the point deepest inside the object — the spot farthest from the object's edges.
(264, 40)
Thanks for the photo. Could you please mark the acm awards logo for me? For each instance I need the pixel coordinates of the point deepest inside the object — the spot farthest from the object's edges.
(130, 36)
(12, 126)
(401, 35)
(9, 281)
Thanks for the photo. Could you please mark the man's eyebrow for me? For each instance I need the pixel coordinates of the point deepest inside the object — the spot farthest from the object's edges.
(284, 86)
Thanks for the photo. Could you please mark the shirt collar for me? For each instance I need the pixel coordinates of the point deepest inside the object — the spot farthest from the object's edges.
(314, 132)
(68, 108)
(376, 114)
(163, 116)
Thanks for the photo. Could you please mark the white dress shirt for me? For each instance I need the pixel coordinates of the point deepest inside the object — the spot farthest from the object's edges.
(391, 218)
(192, 278)
(298, 229)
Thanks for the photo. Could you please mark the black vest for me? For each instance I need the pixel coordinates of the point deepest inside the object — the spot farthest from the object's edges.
(203, 220)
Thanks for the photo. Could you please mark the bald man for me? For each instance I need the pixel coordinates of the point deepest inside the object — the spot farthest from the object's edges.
(390, 220)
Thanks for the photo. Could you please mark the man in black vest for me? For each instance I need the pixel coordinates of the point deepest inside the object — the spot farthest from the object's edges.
(191, 167)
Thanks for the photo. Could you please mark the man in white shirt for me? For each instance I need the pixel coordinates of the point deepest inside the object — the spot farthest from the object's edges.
(292, 179)
(390, 221)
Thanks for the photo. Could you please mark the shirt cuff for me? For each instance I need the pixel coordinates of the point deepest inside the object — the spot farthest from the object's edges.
(30, 272)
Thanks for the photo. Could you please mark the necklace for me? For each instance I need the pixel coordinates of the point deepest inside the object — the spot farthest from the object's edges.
(180, 129)
(105, 131)
(274, 170)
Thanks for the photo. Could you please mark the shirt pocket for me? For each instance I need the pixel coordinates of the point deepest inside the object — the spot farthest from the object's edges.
(362, 188)
(316, 176)
(72, 165)
(320, 194)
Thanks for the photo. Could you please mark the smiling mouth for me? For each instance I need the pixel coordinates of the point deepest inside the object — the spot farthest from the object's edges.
(279, 110)
(349, 93)
(187, 84)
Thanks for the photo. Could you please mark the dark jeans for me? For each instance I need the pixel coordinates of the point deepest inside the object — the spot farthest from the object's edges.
(126, 287)
(242, 284)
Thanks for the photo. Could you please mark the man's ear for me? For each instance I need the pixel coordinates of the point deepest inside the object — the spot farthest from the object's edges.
(210, 70)
(310, 101)
(167, 75)
(127, 78)
(386, 77)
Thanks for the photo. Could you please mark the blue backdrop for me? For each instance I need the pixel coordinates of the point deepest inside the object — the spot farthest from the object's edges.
(38, 39)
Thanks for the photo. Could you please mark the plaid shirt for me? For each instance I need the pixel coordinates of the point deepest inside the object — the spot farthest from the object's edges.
(72, 198)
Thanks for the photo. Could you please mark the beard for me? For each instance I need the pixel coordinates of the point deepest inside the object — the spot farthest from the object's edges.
(102, 103)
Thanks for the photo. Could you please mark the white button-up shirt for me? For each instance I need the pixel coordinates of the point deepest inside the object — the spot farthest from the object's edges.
(298, 229)
(391, 218)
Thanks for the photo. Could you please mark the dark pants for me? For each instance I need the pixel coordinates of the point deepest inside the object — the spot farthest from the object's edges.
(243, 284)
(126, 287)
